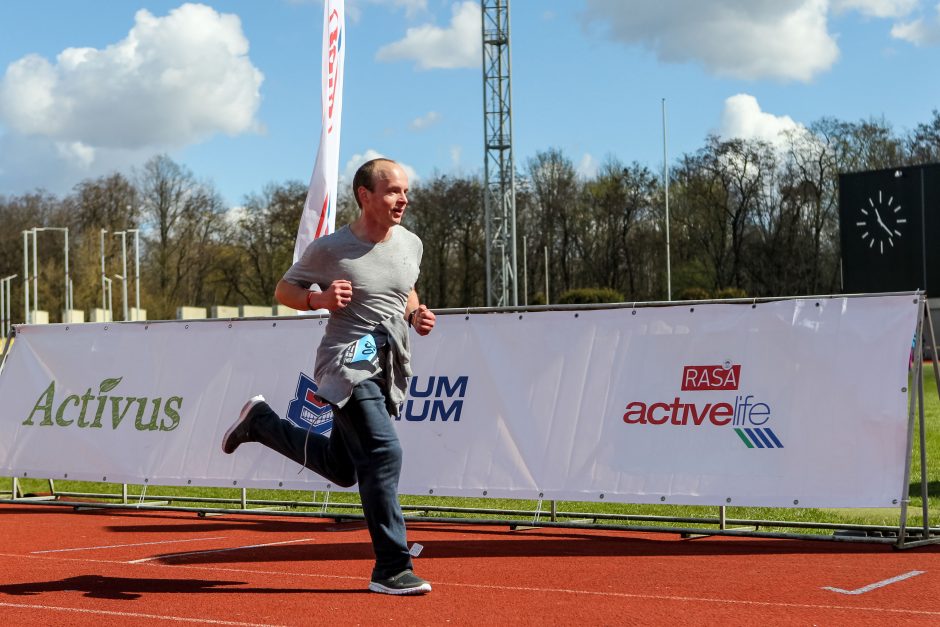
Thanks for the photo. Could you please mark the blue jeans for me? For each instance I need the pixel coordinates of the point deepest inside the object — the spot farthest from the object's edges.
(363, 446)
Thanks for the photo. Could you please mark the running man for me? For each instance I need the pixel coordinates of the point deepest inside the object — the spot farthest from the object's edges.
(367, 272)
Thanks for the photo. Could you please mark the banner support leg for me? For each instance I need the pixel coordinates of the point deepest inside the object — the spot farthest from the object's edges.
(923, 449)
(916, 375)
(923, 431)
(124, 493)
(923, 456)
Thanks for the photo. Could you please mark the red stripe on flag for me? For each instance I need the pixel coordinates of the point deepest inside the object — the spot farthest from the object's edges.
(321, 226)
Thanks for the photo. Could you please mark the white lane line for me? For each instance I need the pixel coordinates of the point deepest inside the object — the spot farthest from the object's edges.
(438, 582)
(232, 548)
(664, 597)
(177, 619)
(596, 593)
(878, 584)
(121, 546)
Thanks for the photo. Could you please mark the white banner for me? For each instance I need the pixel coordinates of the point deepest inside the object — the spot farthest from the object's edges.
(319, 215)
(790, 403)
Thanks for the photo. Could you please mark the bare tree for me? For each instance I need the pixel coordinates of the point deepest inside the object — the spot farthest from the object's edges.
(719, 191)
(182, 221)
(618, 210)
(447, 213)
(264, 241)
(923, 143)
(554, 193)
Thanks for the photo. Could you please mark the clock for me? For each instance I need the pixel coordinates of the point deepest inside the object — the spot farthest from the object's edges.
(889, 221)
(881, 222)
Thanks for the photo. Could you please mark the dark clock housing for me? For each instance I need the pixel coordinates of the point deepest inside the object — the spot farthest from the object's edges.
(887, 220)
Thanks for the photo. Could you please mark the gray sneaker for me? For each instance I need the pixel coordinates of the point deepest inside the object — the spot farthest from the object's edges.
(239, 431)
(405, 582)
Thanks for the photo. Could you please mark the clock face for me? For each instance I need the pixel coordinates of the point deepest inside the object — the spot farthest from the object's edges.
(881, 225)
(881, 222)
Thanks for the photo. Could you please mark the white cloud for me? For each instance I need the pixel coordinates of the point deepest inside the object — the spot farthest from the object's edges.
(749, 39)
(876, 8)
(173, 81)
(423, 122)
(77, 152)
(587, 167)
(919, 32)
(358, 159)
(456, 154)
(433, 47)
(742, 118)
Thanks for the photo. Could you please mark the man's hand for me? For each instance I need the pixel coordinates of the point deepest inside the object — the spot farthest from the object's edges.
(334, 298)
(423, 320)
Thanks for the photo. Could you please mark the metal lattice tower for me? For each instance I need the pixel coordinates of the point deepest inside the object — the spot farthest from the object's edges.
(499, 186)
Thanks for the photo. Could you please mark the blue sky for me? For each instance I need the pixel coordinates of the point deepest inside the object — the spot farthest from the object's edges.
(229, 88)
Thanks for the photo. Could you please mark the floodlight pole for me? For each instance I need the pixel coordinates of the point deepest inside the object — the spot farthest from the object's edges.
(35, 276)
(666, 183)
(499, 186)
(546, 276)
(123, 275)
(26, 277)
(136, 233)
(104, 278)
(108, 302)
(525, 273)
(68, 280)
(6, 297)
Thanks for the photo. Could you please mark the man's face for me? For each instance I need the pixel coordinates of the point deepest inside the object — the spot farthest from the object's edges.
(385, 205)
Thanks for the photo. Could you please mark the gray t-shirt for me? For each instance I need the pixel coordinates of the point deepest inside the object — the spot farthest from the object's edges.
(382, 276)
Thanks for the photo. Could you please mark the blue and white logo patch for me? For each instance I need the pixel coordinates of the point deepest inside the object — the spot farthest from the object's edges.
(307, 410)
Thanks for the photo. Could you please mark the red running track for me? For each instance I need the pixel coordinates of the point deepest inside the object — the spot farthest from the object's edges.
(112, 567)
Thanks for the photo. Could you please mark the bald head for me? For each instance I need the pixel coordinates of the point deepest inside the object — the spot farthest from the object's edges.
(368, 173)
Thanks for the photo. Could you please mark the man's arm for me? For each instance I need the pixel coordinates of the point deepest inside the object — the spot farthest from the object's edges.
(337, 296)
(418, 315)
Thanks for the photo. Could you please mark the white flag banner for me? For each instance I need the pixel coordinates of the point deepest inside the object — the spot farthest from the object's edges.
(791, 403)
(319, 215)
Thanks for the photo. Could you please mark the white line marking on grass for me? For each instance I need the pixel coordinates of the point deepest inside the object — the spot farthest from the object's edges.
(876, 585)
(233, 548)
(177, 619)
(121, 546)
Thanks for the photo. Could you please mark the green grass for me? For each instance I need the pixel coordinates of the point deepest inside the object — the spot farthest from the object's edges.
(871, 516)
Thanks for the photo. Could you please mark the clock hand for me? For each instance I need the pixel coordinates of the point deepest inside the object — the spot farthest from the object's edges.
(883, 225)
